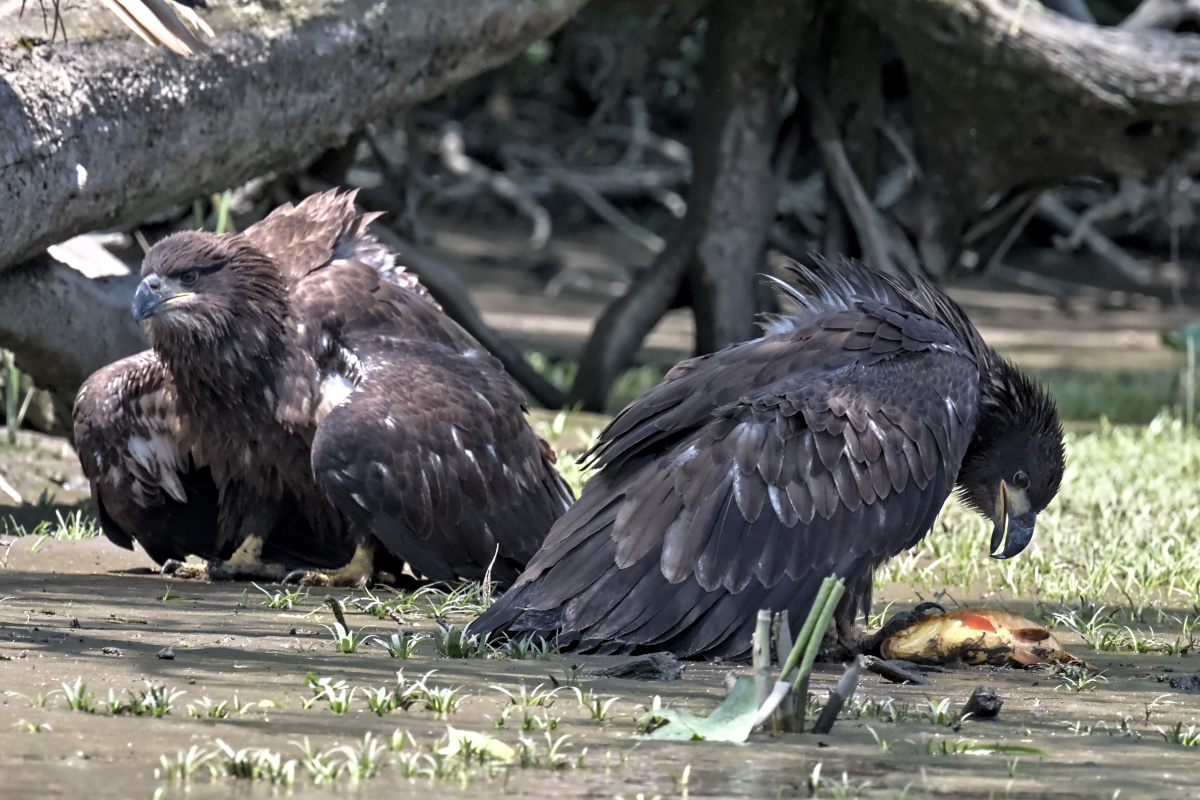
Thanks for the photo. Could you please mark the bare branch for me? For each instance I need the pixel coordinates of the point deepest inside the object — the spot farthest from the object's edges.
(1049, 207)
(588, 194)
(455, 159)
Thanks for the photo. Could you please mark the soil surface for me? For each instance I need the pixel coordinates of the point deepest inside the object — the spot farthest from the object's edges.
(85, 609)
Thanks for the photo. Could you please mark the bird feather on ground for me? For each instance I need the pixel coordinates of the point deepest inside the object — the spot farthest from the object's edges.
(827, 446)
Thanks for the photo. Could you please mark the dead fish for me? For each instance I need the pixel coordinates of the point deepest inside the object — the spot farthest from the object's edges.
(975, 636)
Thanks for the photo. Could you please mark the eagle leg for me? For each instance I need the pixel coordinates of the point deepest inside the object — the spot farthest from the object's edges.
(246, 562)
(358, 572)
(182, 569)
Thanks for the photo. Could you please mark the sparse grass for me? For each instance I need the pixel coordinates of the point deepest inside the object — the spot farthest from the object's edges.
(156, 701)
(1185, 737)
(282, 598)
(941, 713)
(184, 767)
(454, 642)
(75, 525)
(818, 784)
(78, 697)
(256, 764)
(399, 644)
(32, 727)
(1121, 396)
(365, 760)
(886, 709)
(1122, 530)
(528, 697)
(469, 597)
(528, 647)
(596, 706)
(321, 769)
(1077, 678)
(346, 640)
(210, 709)
(340, 700)
(554, 756)
(443, 700)
(530, 720)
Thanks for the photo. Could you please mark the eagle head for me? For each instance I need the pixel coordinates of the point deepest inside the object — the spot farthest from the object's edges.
(198, 288)
(1014, 464)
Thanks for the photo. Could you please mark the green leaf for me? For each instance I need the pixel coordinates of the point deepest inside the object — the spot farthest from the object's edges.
(1177, 340)
(731, 721)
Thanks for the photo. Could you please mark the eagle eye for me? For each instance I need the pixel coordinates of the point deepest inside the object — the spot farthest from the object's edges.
(1021, 480)
(189, 277)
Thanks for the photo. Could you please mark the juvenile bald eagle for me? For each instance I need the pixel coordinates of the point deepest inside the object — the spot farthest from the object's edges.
(827, 446)
(305, 399)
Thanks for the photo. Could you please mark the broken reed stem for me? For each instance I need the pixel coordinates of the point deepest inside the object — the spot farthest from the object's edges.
(814, 628)
(785, 669)
(12, 395)
(839, 695)
(336, 605)
(784, 717)
(804, 651)
(761, 654)
(24, 407)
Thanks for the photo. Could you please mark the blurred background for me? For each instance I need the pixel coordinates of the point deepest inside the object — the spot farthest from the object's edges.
(598, 203)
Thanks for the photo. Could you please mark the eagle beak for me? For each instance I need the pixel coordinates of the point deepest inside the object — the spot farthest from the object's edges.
(156, 293)
(1014, 520)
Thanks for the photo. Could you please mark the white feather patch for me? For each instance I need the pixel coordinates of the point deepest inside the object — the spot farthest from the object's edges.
(158, 458)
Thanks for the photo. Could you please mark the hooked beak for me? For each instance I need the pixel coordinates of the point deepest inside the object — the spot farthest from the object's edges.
(1014, 520)
(156, 293)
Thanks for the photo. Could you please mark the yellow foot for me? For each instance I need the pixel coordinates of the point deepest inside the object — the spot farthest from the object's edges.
(256, 570)
(182, 569)
(358, 572)
(246, 562)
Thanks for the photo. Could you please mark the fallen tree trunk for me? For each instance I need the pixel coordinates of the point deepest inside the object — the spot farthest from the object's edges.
(1006, 97)
(62, 326)
(98, 133)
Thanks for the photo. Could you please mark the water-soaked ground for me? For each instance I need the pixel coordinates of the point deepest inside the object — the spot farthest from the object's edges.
(74, 609)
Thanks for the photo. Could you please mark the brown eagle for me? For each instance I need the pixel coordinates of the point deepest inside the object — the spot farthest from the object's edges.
(827, 446)
(304, 401)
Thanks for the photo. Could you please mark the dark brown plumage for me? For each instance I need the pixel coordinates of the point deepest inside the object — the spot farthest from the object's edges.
(304, 399)
(748, 475)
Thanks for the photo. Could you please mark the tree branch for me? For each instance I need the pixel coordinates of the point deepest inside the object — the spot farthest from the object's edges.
(105, 132)
(1002, 100)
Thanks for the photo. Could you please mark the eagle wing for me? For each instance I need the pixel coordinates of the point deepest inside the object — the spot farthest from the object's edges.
(747, 477)
(143, 482)
(421, 435)
(430, 450)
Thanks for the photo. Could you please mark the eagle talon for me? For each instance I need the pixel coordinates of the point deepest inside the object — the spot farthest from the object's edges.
(307, 577)
(182, 569)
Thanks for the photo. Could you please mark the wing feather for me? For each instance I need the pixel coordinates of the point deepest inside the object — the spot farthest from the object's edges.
(431, 451)
(144, 484)
(822, 469)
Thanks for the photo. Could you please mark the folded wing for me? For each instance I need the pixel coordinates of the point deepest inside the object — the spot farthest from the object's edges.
(747, 477)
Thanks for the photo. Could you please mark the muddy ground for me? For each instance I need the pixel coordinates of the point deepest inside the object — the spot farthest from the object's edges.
(85, 609)
(74, 609)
